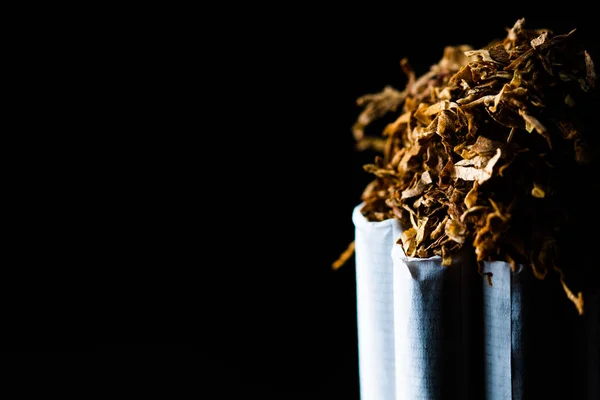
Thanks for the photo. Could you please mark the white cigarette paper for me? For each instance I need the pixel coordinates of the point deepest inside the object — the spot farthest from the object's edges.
(428, 320)
(535, 345)
(503, 328)
(374, 295)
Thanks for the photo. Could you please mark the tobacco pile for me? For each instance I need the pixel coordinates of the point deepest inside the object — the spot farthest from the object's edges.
(492, 148)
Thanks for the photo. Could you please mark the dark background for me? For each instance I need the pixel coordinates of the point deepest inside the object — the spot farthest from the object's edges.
(236, 180)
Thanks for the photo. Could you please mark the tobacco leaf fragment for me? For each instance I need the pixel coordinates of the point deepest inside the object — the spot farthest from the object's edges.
(344, 257)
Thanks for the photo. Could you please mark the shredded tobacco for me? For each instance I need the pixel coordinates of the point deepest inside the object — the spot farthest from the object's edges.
(344, 257)
(489, 149)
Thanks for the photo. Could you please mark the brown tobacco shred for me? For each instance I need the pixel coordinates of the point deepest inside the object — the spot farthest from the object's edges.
(488, 149)
(344, 257)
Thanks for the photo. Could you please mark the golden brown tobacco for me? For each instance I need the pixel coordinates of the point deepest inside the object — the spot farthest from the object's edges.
(489, 149)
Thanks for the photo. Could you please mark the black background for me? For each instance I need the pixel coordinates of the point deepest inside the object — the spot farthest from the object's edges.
(236, 183)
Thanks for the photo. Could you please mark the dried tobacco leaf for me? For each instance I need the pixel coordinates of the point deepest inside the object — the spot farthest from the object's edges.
(488, 149)
(344, 257)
